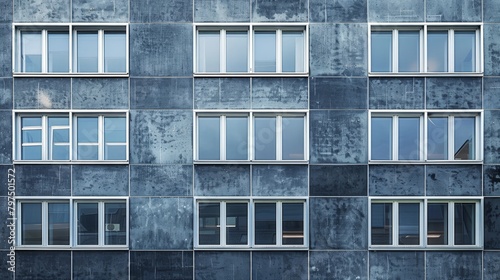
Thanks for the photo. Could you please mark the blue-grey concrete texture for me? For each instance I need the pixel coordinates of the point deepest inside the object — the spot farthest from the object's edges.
(162, 182)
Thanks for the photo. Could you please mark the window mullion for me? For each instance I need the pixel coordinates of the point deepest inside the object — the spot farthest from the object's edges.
(451, 138)
(45, 220)
(74, 50)
(279, 53)
(251, 49)
(395, 133)
(451, 224)
(395, 223)
(222, 223)
(423, 135)
(451, 51)
(222, 136)
(100, 52)
(279, 223)
(100, 222)
(223, 50)
(45, 138)
(251, 137)
(279, 137)
(421, 51)
(70, 49)
(44, 51)
(100, 138)
(422, 223)
(395, 51)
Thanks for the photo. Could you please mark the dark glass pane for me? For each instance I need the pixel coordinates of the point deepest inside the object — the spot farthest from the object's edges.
(437, 224)
(465, 224)
(115, 224)
(437, 51)
(293, 51)
(31, 52)
(236, 51)
(208, 51)
(437, 138)
(409, 51)
(381, 52)
(58, 52)
(265, 138)
(114, 52)
(58, 223)
(381, 223)
(409, 139)
(87, 52)
(88, 224)
(464, 142)
(265, 223)
(265, 51)
(31, 223)
(409, 224)
(236, 223)
(237, 138)
(208, 138)
(209, 223)
(293, 223)
(381, 138)
(465, 51)
(293, 138)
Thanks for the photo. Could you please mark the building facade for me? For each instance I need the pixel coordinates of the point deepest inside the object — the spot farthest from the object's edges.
(250, 139)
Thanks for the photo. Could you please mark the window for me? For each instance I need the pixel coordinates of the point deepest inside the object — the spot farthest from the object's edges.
(398, 136)
(93, 223)
(229, 223)
(251, 49)
(256, 136)
(71, 49)
(425, 49)
(49, 136)
(425, 223)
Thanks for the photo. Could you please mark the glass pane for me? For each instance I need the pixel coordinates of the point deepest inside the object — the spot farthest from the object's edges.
(60, 152)
(381, 52)
(31, 121)
(293, 138)
(31, 223)
(88, 152)
(381, 138)
(236, 223)
(32, 136)
(437, 142)
(409, 51)
(60, 135)
(465, 224)
(465, 51)
(87, 130)
(115, 215)
(236, 51)
(437, 224)
(265, 224)
(236, 138)
(293, 51)
(209, 138)
(115, 130)
(59, 121)
(115, 152)
(209, 223)
(87, 52)
(293, 224)
(31, 152)
(437, 51)
(265, 138)
(59, 138)
(31, 52)
(381, 223)
(58, 54)
(265, 51)
(409, 224)
(208, 51)
(88, 226)
(464, 144)
(58, 223)
(409, 139)
(114, 52)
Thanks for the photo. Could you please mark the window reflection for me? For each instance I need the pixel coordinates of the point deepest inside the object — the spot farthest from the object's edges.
(31, 51)
(58, 223)
(87, 49)
(293, 51)
(437, 224)
(236, 224)
(209, 223)
(58, 51)
(293, 223)
(236, 138)
(265, 51)
(381, 223)
(465, 223)
(381, 52)
(464, 142)
(208, 51)
(293, 138)
(409, 224)
(437, 51)
(381, 138)
(88, 224)
(265, 138)
(115, 215)
(114, 52)
(408, 138)
(265, 223)
(409, 51)
(209, 138)
(465, 51)
(437, 138)
(236, 51)
(31, 227)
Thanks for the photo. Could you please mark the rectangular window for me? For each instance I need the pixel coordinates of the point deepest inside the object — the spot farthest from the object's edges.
(400, 136)
(51, 223)
(95, 50)
(49, 137)
(425, 223)
(227, 223)
(446, 49)
(250, 49)
(251, 136)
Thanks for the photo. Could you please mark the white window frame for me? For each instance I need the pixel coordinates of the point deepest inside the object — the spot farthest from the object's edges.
(424, 115)
(71, 29)
(73, 144)
(423, 206)
(277, 201)
(73, 222)
(251, 28)
(251, 141)
(423, 29)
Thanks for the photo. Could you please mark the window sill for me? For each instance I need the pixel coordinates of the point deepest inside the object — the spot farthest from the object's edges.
(425, 74)
(66, 248)
(425, 162)
(249, 74)
(246, 248)
(71, 162)
(70, 75)
(250, 161)
(428, 248)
